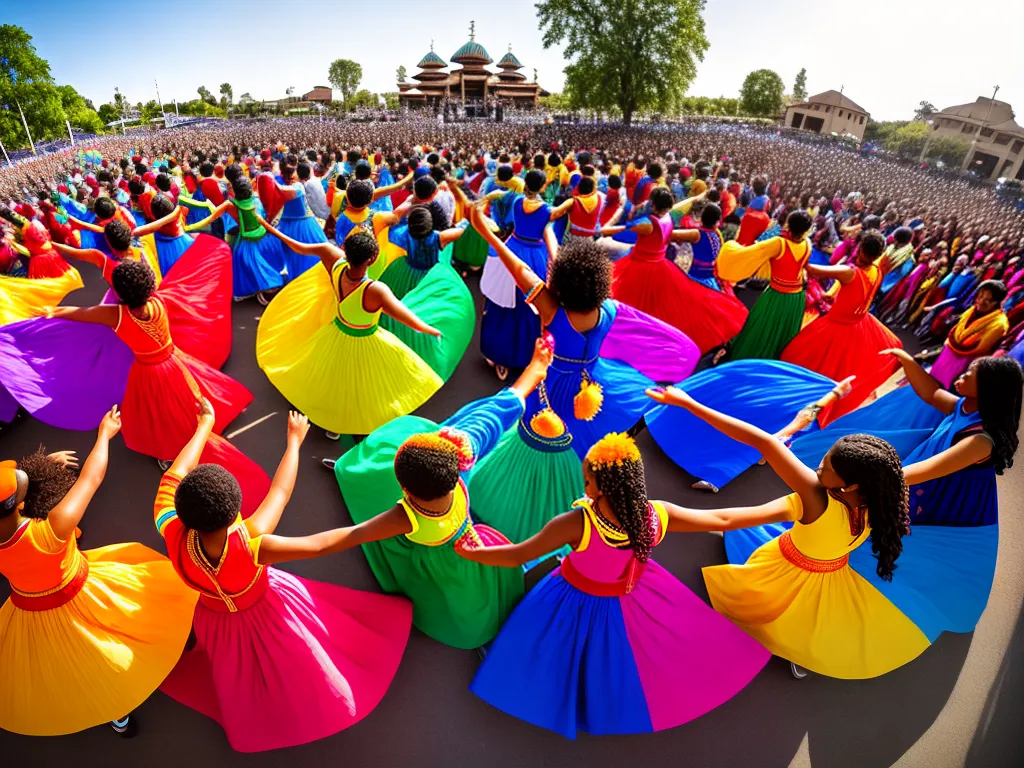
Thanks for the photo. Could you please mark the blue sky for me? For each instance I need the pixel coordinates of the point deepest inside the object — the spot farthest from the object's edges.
(889, 54)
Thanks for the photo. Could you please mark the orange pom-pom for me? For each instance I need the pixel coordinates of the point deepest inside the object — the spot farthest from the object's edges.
(587, 403)
(546, 423)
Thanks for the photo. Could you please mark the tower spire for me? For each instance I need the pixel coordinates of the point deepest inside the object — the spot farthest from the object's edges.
(472, 30)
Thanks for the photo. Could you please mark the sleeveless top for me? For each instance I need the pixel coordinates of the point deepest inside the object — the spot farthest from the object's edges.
(603, 562)
(946, 434)
(150, 340)
(296, 208)
(351, 221)
(250, 228)
(651, 247)
(705, 251)
(352, 319)
(175, 228)
(855, 298)
(825, 544)
(585, 214)
(788, 268)
(432, 530)
(419, 254)
(529, 217)
(44, 572)
(235, 582)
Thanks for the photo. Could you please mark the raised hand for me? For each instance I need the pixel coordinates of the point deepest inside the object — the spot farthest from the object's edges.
(65, 458)
(298, 426)
(111, 423)
(670, 396)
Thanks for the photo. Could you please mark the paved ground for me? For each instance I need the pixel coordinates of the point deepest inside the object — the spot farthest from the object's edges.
(958, 704)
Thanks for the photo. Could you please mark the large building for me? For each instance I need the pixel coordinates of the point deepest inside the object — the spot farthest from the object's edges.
(827, 113)
(998, 149)
(472, 84)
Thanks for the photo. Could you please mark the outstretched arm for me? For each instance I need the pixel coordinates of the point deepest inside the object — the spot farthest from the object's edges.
(966, 453)
(266, 517)
(188, 458)
(155, 226)
(567, 528)
(685, 235)
(328, 253)
(450, 235)
(843, 274)
(380, 192)
(685, 520)
(525, 277)
(217, 213)
(89, 226)
(68, 513)
(561, 210)
(103, 314)
(396, 309)
(90, 255)
(788, 467)
(926, 387)
(284, 549)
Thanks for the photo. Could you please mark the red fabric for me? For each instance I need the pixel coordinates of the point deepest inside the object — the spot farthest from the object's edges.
(728, 203)
(269, 194)
(399, 197)
(211, 191)
(612, 200)
(752, 226)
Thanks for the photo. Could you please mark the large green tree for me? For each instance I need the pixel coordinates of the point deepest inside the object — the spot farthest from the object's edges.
(205, 95)
(78, 111)
(628, 55)
(800, 85)
(344, 75)
(761, 94)
(25, 84)
(949, 149)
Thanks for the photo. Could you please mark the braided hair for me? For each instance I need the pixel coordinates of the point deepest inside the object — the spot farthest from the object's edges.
(619, 471)
(1000, 383)
(873, 465)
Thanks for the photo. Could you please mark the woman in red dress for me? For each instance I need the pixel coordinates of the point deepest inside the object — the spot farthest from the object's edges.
(848, 339)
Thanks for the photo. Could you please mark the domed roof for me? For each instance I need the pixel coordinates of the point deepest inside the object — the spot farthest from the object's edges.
(510, 60)
(431, 60)
(472, 52)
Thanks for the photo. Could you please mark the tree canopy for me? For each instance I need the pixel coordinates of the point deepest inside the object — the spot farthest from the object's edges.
(401, 73)
(344, 75)
(800, 85)
(924, 110)
(761, 94)
(630, 55)
(205, 95)
(226, 94)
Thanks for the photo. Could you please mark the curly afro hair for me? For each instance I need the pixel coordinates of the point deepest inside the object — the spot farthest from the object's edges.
(242, 188)
(581, 275)
(104, 208)
(119, 237)
(427, 466)
(421, 222)
(360, 249)
(133, 282)
(161, 206)
(359, 193)
(208, 498)
(48, 483)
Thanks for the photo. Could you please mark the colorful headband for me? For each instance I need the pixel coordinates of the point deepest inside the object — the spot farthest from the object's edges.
(444, 439)
(613, 449)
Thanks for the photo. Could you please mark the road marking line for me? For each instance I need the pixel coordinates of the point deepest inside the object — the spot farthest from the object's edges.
(247, 427)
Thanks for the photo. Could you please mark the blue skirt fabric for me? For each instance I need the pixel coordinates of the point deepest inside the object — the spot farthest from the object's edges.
(892, 278)
(304, 230)
(765, 393)
(820, 258)
(252, 265)
(942, 579)
(170, 249)
(508, 335)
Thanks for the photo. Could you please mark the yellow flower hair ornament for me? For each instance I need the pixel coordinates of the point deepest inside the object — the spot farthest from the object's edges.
(613, 449)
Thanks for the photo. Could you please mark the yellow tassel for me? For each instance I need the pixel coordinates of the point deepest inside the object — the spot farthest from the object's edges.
(587, 403)
(547, 424)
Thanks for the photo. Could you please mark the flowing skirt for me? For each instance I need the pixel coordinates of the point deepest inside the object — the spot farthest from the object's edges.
(102, 654)
(22, 298)
(306, 661)
(170, 249)
(647, 661)
(774, 321)
(48, 264)
(305, 230)
(256, 265)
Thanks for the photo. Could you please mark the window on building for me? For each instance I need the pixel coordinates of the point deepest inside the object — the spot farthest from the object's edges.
(828, 109)
(862, 119)
(1018, 145)
(816, 108)
(840, 113)
(986, 132)
(1002, 139)
(966, 128)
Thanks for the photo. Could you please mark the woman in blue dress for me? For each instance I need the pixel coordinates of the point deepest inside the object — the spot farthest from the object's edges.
(605, 355)
(297, 222)
(510, 327)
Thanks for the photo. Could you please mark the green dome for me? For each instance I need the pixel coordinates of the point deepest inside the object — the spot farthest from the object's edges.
(472, 50)
(431, 59)
(510, 60)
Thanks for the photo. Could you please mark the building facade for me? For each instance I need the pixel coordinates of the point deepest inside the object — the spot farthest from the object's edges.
(997, 141)
(472, 85)
(827, 113)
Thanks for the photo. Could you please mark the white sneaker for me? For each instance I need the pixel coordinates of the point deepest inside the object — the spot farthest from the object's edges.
(329, 463)
(704, 485)
(164, 466)
(797, 671)
(332, 435)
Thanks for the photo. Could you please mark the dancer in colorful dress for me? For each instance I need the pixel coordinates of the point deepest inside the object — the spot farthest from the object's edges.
(43, 260)
(696, 304)
(297, 222)
(509, 327)
(85, 637)
(977, 333)
(155, 352)
(606, 354)
(320, 343)
(778, 314)
(847, 340)
(610, 642)
(413, 545)
(279, 660)
(812, 593)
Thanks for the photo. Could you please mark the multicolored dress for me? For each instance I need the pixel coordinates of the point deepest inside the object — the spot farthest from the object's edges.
(442, 295)
(298, 223)
(606, 644)
(972, 337)
(846, 342)
(811, 594)
(331, 359)
(510, 327)
(256, 257)
(22, 297)
(455, 601)
(279, 660)
(625, 353)
(85, 637)
(778, 313)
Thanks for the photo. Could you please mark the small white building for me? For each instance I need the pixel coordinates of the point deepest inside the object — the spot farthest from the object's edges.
(827, 113)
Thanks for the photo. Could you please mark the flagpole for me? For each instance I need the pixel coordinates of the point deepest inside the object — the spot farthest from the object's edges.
(8, 157)
(25, 123)
(70, 134)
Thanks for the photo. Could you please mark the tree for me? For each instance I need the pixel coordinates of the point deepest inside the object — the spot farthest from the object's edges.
(951, 150)
(120, 102)
(363, 98)
(643, 55)
(908, 140)
(391, 99)
(924, 110)
(78, 111)
(345, 75)
(226, 93)
(205, 95)
(108, 113)
(401, 73)
(800, 85)
(761, 94)
(25, 84)
(555, 102)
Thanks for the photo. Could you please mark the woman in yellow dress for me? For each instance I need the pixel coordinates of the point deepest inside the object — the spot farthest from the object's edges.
(805, 587)
(320, 342)
(85, 637)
